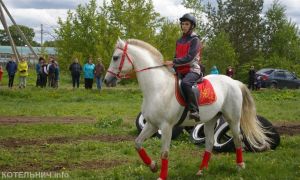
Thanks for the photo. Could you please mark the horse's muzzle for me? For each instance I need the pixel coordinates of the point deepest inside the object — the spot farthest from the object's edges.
(110, 82)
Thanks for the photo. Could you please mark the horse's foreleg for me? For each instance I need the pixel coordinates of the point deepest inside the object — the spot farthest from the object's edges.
(166, 141)
(209, 143)
(147, 132)
(237, 138)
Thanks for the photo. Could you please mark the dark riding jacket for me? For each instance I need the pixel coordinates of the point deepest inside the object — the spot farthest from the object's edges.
(187, 54)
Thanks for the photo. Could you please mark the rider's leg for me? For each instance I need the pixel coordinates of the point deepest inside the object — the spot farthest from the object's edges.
(147, 132)
(187, 82)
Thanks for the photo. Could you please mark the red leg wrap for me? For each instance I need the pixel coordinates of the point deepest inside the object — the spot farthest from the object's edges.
(164, 169)
(239, 155)
(205, 160)
(144, 156)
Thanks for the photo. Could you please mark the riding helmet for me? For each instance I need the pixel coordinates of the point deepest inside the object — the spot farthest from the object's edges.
(188, 17)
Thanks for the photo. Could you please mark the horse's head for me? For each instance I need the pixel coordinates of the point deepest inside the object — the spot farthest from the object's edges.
(120, 65)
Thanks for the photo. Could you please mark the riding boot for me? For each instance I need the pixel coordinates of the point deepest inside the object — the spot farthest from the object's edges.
(193, 106)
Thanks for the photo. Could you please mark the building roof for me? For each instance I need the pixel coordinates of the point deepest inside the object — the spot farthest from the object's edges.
(24, 50)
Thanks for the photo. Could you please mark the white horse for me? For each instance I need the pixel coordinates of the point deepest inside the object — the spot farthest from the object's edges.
(162, 110)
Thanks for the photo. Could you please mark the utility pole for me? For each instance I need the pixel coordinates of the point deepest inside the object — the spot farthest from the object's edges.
(42, 32)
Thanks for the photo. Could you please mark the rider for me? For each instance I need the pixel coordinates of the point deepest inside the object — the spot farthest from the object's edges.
(186, 62)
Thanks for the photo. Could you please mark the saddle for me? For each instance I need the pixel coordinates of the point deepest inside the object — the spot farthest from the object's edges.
(203, 90)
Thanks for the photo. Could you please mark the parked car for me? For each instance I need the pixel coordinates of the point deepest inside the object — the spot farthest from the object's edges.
(277, 78)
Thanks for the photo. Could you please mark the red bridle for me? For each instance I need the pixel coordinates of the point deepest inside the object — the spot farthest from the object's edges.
(125, 54)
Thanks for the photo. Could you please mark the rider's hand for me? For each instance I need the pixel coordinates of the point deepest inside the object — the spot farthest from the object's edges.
(168, 63)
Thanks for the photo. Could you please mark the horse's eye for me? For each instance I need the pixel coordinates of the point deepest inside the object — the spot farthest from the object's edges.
(115, 58)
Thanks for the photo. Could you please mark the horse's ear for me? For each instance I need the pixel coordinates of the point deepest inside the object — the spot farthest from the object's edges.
(120, 42)
(119, 39)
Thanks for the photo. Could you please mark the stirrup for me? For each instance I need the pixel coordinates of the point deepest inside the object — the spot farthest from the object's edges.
(195, 116)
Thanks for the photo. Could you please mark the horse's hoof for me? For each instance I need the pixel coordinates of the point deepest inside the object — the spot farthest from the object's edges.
(241, 166)
(153, 167)
(199, 173)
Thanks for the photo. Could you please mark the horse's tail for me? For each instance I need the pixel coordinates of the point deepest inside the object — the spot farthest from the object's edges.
(250, 125)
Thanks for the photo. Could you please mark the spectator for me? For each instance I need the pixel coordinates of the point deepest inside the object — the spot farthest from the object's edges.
(44, 74)
(50, 77)
(56, 74)
(214, 70)
(88, 70)
(99, 70)
(51, 74)
(23, 72)
(229, 71)
(11, 68)
(38, 70)
(251, 74)
(75, 69)
(1, 73)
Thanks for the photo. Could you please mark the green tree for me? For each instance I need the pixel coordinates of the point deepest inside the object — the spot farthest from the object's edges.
(50, 43)
(241, 20)
(93, 31)
(217, 17)
(220, 52)
(65, 41)
(281, 36)
(134, 18)
(16, 36)
(166, 39)
(281, 45)
(275, 18)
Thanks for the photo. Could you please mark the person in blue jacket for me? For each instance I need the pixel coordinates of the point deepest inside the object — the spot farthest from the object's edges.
(89, 69)
(38, 70)
(214, 70)
(11, 68)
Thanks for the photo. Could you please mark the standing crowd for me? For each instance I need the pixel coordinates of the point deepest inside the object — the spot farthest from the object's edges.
(90, 71)
(47, 73)
(12, 68)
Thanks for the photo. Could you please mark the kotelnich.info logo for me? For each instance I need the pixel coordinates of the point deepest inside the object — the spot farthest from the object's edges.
(32, 175)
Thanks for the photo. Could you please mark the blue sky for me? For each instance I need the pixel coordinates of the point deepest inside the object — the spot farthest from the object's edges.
(33, 13)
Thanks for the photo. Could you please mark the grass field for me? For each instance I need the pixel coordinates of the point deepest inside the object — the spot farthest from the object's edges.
(89, 135)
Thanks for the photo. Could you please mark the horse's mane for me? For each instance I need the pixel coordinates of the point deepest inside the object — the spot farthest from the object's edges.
(154, 52)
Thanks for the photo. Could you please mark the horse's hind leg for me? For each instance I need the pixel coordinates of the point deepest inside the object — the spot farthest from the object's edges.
(209, 128)
(147, 132)
(237, 138)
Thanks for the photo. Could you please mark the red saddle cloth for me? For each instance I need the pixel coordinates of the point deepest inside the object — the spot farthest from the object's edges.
(207, 93)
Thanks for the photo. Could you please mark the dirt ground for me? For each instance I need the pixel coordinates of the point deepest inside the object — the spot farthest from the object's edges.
(52, 166)
(282, 128)
(18, 142)
(30, 120)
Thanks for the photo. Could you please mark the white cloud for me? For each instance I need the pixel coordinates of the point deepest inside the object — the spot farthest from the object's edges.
(33, 13)
(173, 10)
